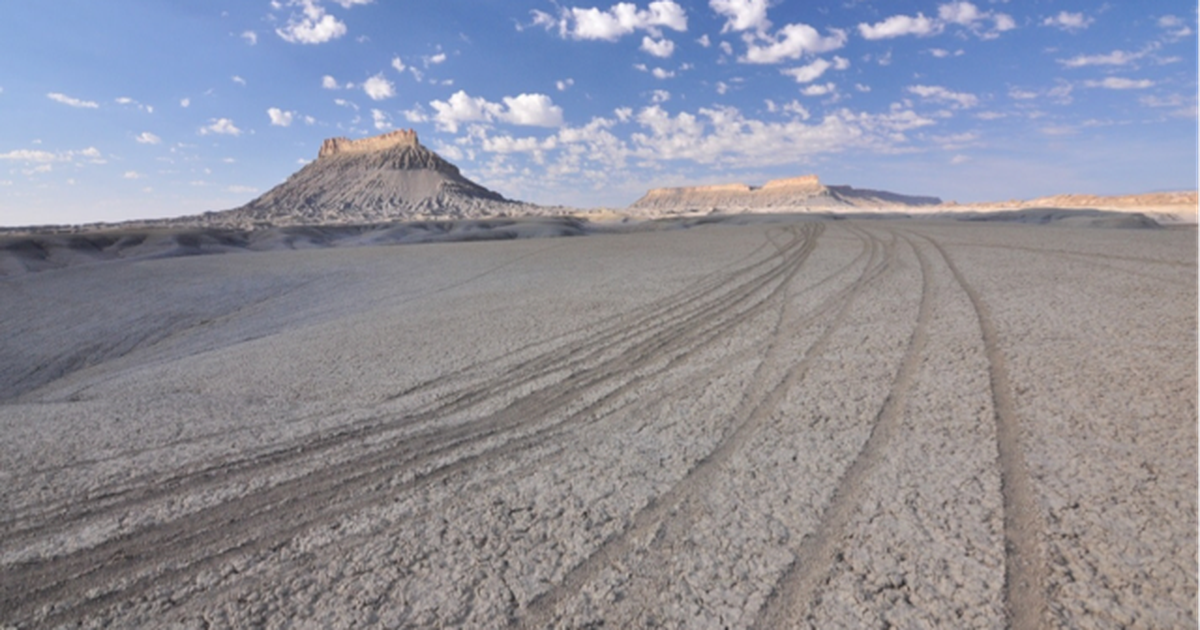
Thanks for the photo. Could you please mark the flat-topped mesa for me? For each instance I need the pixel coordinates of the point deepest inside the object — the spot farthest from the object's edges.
(807, 183)
(400, 137)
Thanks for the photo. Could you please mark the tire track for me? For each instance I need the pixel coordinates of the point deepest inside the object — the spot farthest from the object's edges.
(621, 334)
(125, 566)
(540, 612)
(1025, 577)
(797, 588)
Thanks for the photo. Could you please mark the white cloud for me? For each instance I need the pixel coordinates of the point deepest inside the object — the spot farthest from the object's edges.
(724, 135)
(1068, 21)
(704, 41)
(742, 15)
(221, 126)
(241, 189)
(1114, 58)
(397, 64)
(813, 71)
(45, 158)
(797, 39)
(660, 96)
(329, 83)
(1021, 95)
(147, 138)
(133, 175)
(564, 84)
(379, 88)
(26, 155)
(185, 102)
(536, 110)
(311, 26)
(346, 4)
(382, 120)
(960, 13)
(900, 25)
(251, 37)
(960, 159)
(660, 73)
(280, 118)
(862, 88)
(238, 80)
(1121, 83)
(620, 20)
(939, 93)
(819, 89)
(125, 100)
(658, 48)
(1178, 29)
(433, 60)
(73, 102)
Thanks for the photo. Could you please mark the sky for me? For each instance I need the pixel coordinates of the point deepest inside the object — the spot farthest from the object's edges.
(128, 109)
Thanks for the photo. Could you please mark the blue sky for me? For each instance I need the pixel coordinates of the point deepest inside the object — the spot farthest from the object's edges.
(128, 109)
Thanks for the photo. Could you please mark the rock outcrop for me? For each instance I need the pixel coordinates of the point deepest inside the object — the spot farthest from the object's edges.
(795, 193)
(391, 177)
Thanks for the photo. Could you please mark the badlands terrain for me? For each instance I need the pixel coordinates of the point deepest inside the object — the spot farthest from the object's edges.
(753, 421)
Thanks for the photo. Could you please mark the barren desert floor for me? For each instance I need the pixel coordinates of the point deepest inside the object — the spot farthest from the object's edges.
(781, 423)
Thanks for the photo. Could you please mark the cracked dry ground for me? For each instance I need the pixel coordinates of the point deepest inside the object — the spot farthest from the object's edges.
(782, 423)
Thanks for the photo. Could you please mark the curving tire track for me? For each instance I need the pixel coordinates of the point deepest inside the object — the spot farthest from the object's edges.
(755, 408)
(87, 581)
(1025, 570)
(796, 588)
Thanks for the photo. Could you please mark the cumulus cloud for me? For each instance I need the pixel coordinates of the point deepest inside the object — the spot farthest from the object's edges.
(251, 37)
(329, 83)
(658, 48)
(960, 13)
(899, 26)
(221, 126)
(742, 15)
(1114, 58)
(147, 138)
(46, 158)
(661, 73)
(398, 64)
(1068, 21)
(813, 71)
(125, 100)
(1176, 27)
(73, 102)
(382, 120)
(133, 175)
(819, 89)
(312, 25)
(660, 96)
(280, 118)
(614, 23)
(791, 42)
(939, 93)
(564, 84)
(238, 80)
(379, 88)
(185, 102)
(537, 110)
(1121, 83)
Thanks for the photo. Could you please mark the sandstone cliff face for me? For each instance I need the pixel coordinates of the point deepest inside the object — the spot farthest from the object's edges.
(391, 177)
(795, 193)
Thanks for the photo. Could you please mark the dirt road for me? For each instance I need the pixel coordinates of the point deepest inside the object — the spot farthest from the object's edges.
(783, 423)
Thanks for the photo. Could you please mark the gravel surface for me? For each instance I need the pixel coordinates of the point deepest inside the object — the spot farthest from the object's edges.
(779, 423)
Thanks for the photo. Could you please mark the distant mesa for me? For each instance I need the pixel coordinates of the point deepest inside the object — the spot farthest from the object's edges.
(795, 193)
(385, 178)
